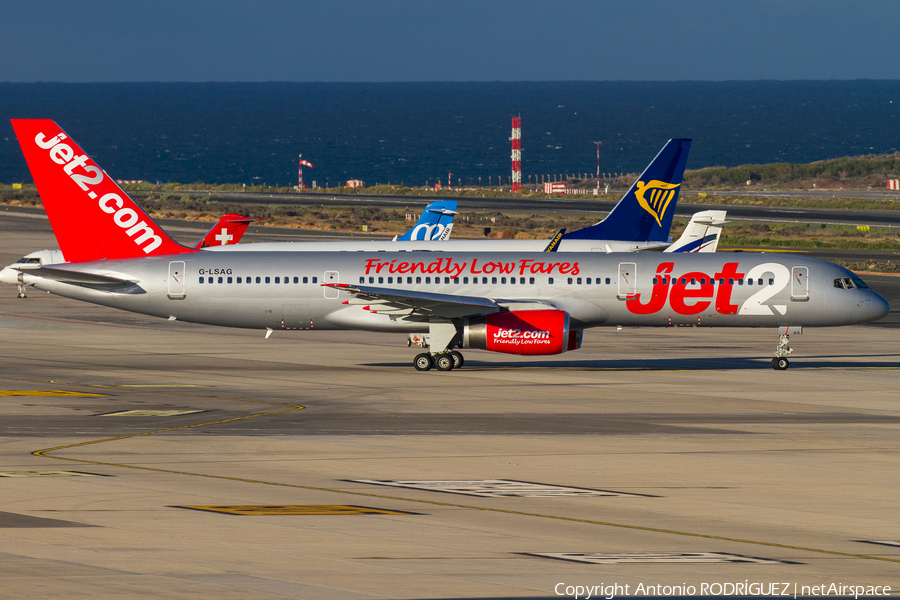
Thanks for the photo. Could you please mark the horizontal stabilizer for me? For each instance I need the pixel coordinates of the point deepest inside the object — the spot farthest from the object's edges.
(75, 277)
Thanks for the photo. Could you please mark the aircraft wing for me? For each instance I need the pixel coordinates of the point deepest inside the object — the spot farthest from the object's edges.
(395, 301)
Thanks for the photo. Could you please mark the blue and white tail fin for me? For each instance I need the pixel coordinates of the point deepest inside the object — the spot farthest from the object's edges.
(644, 214)
(701, 234)
(434, 225)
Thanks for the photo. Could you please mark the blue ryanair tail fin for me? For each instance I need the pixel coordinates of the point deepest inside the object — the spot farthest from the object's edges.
(435, 224)
(644, 214)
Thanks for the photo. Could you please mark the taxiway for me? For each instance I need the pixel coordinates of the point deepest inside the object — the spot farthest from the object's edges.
(682, 456)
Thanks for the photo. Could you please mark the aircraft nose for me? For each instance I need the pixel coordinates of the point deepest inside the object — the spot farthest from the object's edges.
(879, 306)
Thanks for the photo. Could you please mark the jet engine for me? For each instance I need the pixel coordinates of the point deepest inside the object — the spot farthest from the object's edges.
(527, 332)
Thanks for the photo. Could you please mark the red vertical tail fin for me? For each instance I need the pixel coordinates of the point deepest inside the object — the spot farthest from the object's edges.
(227, 231)
(92, 217)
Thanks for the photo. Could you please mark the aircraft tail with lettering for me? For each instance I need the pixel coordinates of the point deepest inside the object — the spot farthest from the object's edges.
(435, 224)
(92, 217)
(644, 214)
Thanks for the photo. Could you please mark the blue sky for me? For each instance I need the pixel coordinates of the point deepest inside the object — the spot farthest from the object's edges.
(459, 40)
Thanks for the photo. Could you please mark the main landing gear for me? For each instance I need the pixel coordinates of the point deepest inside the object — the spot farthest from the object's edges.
(445, 361)
(780, 362)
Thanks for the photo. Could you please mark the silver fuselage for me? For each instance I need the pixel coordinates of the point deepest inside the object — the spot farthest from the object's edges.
(284, 290)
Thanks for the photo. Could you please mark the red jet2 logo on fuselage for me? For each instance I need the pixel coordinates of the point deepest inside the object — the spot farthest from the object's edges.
(685, 300)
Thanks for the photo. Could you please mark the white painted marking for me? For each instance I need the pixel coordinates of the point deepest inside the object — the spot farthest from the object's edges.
(151, 413)
(224, 237)
(47, 474)
(602, 558)
(884, 542)
(154, 385)
(495, 488)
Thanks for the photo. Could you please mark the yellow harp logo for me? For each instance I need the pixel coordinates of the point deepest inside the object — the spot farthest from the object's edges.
(660, 194)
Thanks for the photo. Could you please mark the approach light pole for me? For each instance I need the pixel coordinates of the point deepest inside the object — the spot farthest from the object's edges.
(598, 166)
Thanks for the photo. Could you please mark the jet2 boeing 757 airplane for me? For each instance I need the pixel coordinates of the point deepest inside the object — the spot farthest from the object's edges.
(527, 303)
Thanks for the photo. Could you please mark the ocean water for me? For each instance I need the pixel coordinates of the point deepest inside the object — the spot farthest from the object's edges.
(414, 133)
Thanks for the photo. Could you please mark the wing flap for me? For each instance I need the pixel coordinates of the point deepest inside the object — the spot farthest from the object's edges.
(412, 297)
(399, 302)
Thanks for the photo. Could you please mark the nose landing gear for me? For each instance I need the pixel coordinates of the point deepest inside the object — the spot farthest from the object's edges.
(780, 362)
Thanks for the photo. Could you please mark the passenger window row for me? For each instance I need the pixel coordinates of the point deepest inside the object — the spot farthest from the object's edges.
(257, 279)
(465, 280)
(702, 280)
(587, 280)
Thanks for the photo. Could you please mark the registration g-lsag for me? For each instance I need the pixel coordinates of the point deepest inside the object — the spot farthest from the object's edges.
(500, 298)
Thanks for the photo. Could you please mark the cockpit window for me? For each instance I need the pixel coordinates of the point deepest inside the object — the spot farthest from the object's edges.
(848, 283)
(29, 261)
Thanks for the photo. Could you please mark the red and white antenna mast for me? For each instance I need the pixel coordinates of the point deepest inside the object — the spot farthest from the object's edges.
(303, 163)
(516, 154)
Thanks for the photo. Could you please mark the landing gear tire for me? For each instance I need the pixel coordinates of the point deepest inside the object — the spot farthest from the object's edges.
(780, 364)
(444, 362)
(423, 362)
(458, 359)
